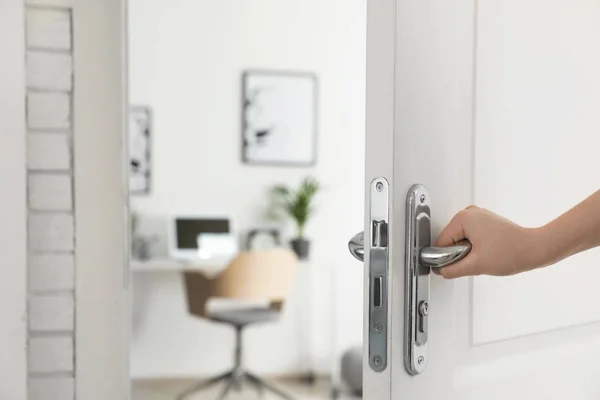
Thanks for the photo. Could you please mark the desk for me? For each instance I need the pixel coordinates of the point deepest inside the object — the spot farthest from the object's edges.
(210, 266)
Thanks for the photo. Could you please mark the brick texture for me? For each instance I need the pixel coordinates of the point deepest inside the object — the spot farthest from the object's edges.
(52, 388)
(48, 29)
(51, 272)
(50, 192)
(51, 313)
(51, 232)
(48, 151)
(48, 110)
(51, 224)
(49, 71)
(50, 354)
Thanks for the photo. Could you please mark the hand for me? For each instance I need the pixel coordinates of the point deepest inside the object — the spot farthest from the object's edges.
(500, 247)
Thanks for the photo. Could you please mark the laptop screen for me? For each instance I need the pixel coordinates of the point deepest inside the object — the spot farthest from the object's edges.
(188, 229)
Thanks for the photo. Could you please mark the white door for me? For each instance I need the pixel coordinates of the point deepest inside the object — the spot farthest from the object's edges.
(494, 103)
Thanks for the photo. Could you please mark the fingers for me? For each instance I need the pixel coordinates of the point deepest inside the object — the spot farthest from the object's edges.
(453, 232)
(465, 267)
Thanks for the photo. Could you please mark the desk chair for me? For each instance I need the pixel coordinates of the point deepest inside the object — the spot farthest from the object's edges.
(261, 275)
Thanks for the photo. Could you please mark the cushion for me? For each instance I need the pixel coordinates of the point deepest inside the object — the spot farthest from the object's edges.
(245, 316)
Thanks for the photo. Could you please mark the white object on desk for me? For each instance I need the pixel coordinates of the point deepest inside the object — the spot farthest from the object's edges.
(216, 245)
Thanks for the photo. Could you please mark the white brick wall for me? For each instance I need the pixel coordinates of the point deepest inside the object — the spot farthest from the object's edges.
(52, 354)
(48, 29)
(51, 388)
(48, 110)
(50, 71)
(50, 232)
(48, 151)
(51, 273)
(51, 262)
(50, 192)
(51, 313)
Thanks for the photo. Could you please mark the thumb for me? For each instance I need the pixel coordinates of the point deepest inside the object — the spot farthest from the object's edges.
(465, 267)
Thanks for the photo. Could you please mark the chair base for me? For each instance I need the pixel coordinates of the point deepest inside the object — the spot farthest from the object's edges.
(234, 380)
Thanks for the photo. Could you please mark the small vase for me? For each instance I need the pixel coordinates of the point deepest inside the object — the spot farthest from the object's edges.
(301, 247)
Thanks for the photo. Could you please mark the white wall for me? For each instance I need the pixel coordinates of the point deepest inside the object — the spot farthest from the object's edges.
(13, 208)
(186, 61)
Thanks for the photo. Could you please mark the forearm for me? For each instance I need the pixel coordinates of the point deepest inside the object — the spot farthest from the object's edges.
(575, 231)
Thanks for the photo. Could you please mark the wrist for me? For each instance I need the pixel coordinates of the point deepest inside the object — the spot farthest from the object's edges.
(550, 243)
(539, 250)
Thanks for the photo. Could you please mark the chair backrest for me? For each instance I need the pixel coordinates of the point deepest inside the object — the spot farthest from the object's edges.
(256, 275)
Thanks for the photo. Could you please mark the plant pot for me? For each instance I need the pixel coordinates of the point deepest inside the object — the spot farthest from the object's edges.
(301, 247)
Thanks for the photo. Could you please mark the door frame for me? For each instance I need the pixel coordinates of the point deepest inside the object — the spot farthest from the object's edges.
(101, 199)
(13, 213)
(379, 118)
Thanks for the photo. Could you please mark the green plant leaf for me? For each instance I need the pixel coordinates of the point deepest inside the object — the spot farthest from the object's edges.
(298, 205)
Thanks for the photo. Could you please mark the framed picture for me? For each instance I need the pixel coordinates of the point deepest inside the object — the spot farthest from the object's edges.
(279, 117)
(140, 131)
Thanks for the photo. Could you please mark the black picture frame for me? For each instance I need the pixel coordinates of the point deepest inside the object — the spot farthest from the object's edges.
(314, 107)
(135, 188)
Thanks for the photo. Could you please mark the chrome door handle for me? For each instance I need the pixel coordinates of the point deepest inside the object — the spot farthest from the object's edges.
(430, 256)
(438, 257)
(356, 245)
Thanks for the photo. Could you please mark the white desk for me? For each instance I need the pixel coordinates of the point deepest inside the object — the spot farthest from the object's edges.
(209, 266)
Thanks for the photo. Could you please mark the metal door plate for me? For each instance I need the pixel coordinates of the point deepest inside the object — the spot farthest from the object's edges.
(376, 241)
(416, 310)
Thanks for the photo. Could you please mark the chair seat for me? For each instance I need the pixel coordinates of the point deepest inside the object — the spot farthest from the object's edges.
(245, 316)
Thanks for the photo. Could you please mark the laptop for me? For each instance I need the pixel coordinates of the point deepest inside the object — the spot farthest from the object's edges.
(200, 237)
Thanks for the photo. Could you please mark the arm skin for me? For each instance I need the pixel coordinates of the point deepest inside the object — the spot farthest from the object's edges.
(501, 247)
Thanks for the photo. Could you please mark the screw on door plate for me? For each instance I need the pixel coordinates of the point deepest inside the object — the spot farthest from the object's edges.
(420, 360)
(423, 198)
(379, 186)
(377, 361)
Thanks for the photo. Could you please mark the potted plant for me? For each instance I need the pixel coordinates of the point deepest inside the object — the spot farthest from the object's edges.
(297, 205)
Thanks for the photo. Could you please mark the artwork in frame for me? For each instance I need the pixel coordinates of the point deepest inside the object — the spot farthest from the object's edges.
(279, 116)
(140, 136)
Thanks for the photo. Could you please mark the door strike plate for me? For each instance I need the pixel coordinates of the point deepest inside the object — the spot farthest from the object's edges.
(378, 256)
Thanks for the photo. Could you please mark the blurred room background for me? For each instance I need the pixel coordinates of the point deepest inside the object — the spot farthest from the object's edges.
(231, 100)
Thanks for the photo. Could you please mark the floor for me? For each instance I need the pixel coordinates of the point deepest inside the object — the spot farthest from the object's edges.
(168, 389)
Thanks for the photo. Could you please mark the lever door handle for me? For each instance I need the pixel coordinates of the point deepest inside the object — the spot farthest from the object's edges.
(437, 257)
(430, 256)
(356, 245)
